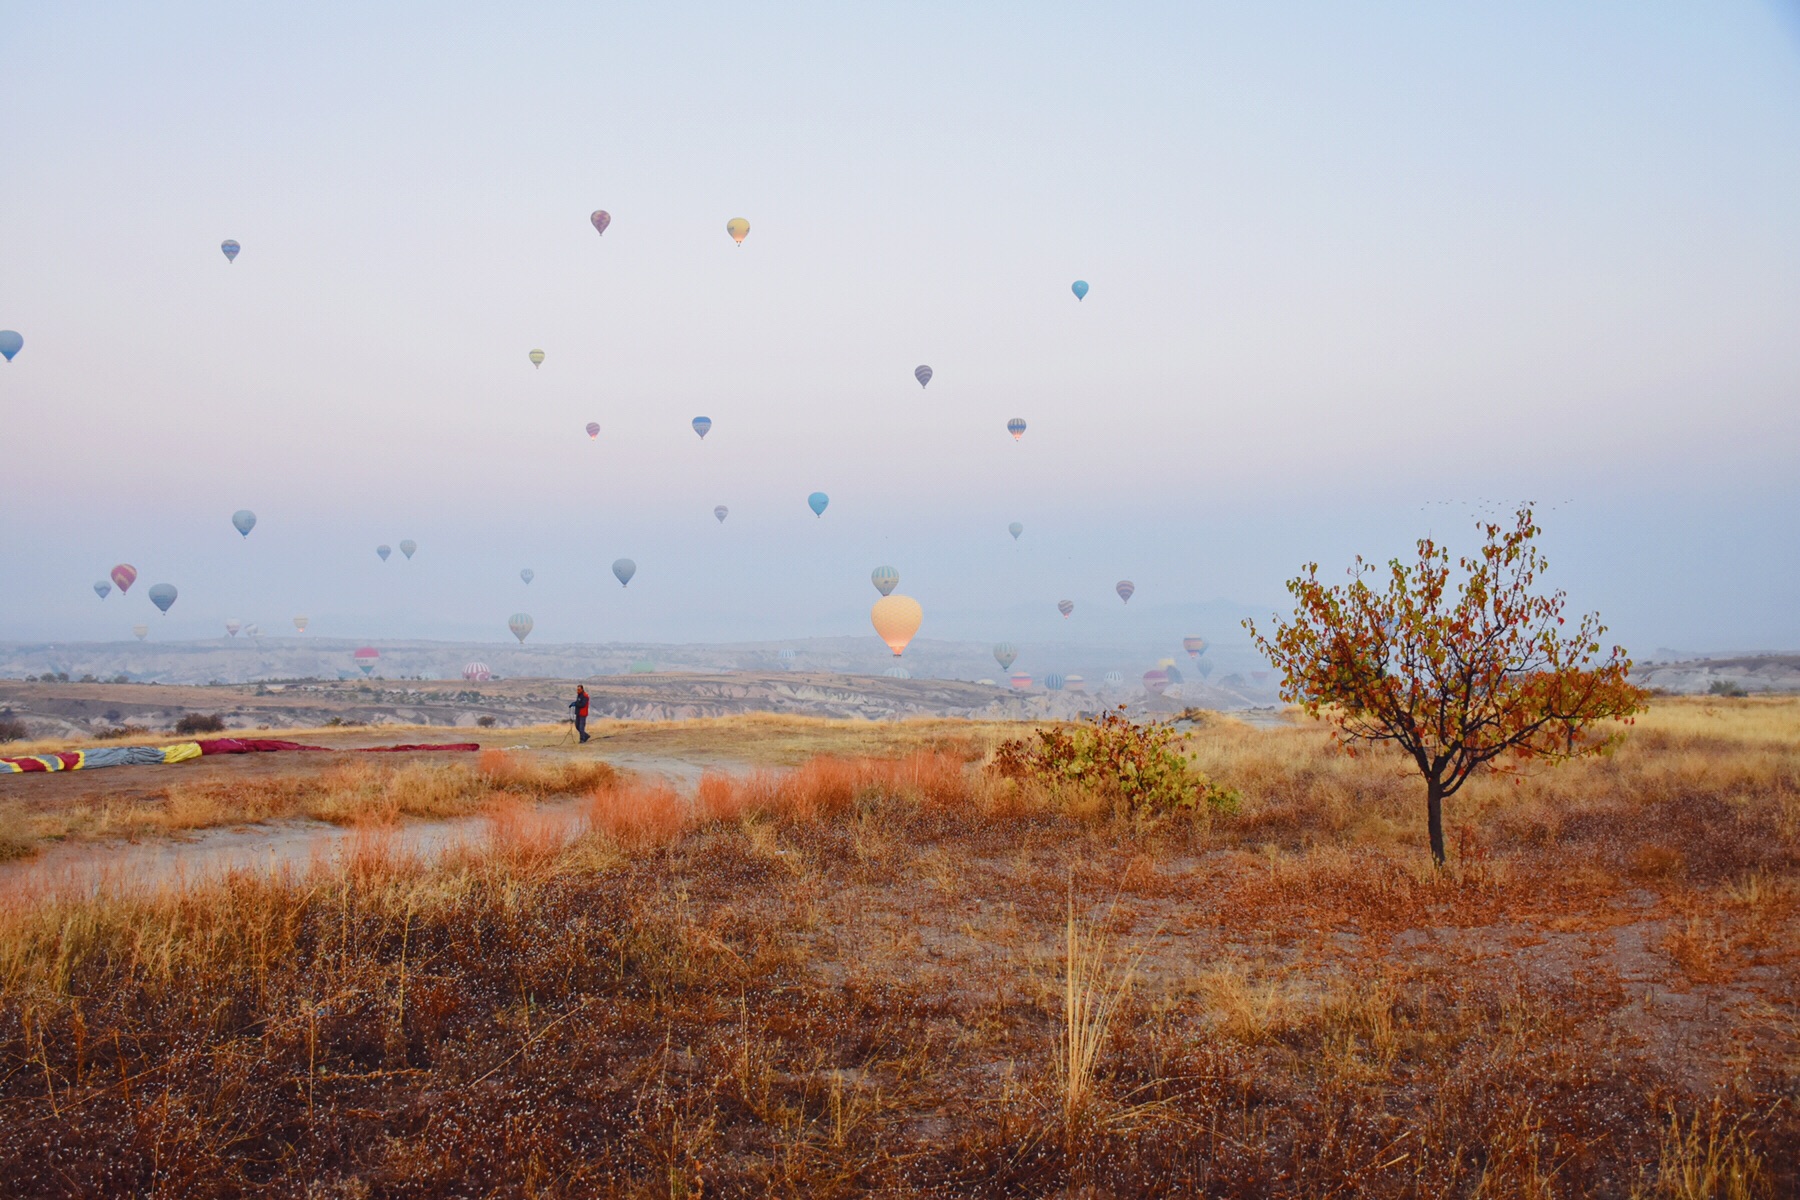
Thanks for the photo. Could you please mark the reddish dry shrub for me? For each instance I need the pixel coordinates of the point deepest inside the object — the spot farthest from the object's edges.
(640, 815)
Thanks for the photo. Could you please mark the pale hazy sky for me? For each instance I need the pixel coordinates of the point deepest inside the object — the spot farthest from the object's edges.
(1345, 260)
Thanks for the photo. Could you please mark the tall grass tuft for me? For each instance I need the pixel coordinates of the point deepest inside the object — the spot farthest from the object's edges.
(1094, 986)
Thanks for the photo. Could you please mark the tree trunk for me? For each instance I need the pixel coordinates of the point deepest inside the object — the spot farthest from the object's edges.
(1434, 818)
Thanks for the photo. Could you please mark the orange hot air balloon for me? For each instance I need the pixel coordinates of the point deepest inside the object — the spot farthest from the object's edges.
(738, 228)
(896, 619)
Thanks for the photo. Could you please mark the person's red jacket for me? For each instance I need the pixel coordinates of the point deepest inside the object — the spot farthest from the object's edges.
(580, 703)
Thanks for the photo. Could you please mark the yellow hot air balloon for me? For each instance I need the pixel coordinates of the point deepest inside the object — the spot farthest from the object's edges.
(738, 228)
(896, 619)
(536, 357)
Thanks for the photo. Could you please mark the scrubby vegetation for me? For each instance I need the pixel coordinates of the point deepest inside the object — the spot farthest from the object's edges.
(1139, 769)
(192, 723)
(911, 975)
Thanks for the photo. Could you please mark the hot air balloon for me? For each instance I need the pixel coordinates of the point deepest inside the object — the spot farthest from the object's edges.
(785, 655)
(601, 219)
(162, 595)
(366, 658)
(123, 576)
(1195, 646)
(1125, 587)
(624, 569)
(1004, 654)
(1020, 681)
(1156, 682)
(738, 228)
(103, 589)
(701, 425)
(1114, 678)
(1080, 288)
(536, 357)
(896, 619)
(244, 520)
(897, 673)
(409, 547)
(1205, 669)
(1065, 607)
(383, 552)
(10, 343)
(520, 624)
(643, 666)
(593, 429)
(885, 579)
(477, 673)
(1053, 682)
(1170, 670)
(1016, 427)
(141, 631)
(528, 574)
(1075, 683)
(232, 625)
(230, 248)
(1015, 529)
(300, 624)
(817, 502)
(721, 512)
(922, 374)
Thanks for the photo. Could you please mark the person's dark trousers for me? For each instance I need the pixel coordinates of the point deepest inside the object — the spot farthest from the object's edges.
(581, 725)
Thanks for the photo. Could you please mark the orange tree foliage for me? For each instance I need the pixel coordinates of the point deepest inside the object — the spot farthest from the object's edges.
(1487, 676)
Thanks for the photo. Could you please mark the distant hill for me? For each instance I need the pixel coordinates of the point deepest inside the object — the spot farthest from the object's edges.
(1750, 672)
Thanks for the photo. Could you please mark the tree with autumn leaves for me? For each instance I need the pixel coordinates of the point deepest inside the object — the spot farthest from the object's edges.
(1462, 666)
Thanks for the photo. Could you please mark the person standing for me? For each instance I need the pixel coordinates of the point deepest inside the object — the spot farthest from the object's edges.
(580, 705)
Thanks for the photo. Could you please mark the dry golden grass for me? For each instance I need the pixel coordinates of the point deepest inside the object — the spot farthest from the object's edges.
(373, 790)
(882, 974)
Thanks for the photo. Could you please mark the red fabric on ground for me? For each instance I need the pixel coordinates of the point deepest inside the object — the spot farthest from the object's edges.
(461, 746)
(250, 746)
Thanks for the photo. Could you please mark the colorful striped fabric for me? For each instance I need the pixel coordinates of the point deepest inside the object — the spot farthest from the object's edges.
(121, 756)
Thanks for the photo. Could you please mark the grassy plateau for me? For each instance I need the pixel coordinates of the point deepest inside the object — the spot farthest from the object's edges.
(854, 960)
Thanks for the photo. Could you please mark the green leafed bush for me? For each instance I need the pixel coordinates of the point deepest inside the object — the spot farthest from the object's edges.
(1141, 767)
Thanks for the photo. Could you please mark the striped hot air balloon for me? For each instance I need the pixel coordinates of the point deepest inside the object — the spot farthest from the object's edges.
(593, 430)
(1114, 678)
(721, 512)
(229, 248)
(520, 624)
(1195, 646)
(409, 548)
(922, 374)
(1053, 682)
(702, 425)
(300, 624)
(1020, 681)
(366, 658)
(1016, 427)
(897, 673)
(1004, 654)
(123, 576)
(477, 673)
(1125, 588)
(885, 579)
(1065, 607)
(1156, 682)
(1075, 683)
(140, 631)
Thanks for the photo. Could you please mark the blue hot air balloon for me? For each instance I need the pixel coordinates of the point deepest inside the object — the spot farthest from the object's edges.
(103, 589)
(1015, 529)
(1016, 427)
(721, 512)
(923, 375)
(817, 502)
(885, 579)
(10, 343)
(163, 595)
(1080, 288)
(245, 520)
(231, 248)
(701, 425)
(624, 569)
(528, 574)
(383, 551)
